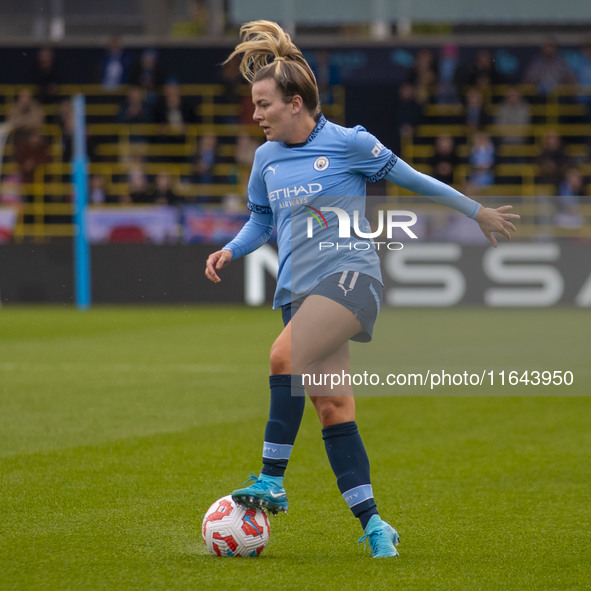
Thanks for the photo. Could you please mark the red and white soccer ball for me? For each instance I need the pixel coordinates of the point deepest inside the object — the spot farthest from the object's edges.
(233, 530)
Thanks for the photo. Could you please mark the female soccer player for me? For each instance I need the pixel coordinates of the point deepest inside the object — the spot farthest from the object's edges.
(333, 295)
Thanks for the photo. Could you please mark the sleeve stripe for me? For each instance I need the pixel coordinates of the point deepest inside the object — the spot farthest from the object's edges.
(384, 171)
(254, 207)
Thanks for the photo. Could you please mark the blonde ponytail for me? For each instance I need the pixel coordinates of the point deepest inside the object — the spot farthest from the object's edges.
(268, 52)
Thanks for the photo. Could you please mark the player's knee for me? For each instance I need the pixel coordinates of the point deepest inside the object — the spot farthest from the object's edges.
(327, 411)
(280, 357)
(334, 410)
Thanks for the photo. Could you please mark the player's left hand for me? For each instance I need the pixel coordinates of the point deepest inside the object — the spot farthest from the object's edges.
(496, 220)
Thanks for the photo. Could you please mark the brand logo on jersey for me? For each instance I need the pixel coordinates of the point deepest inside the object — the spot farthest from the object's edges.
(321, 163)
(377, 149)
(295, 191)
(272, 168)
(346, 289)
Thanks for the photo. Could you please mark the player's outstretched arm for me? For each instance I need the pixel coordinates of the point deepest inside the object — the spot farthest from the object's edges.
(405, 176)
(496, 220)
(489, 220)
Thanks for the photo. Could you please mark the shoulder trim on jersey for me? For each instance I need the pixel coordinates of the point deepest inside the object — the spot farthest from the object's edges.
(319, 125)
(385, 170)
(255, 208)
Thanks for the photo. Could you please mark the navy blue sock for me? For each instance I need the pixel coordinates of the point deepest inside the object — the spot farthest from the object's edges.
(285, 415)
(350, 464)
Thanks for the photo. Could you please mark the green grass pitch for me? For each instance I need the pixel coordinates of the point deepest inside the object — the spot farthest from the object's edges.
(120, 426)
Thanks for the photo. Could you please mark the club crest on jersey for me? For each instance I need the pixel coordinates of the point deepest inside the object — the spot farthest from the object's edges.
(321, 163)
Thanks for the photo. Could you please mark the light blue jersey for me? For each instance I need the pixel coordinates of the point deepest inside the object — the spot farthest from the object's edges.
(290, 185)
(294, 182)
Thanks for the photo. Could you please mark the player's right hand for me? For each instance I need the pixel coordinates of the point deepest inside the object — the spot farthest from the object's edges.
(216, 261)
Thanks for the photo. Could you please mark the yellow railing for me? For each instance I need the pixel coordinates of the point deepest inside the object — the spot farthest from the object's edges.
(206, 96)
(47, 199)
(518, 181)
(49, 196)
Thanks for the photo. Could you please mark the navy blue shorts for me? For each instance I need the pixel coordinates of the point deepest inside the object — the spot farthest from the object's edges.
(360, 293)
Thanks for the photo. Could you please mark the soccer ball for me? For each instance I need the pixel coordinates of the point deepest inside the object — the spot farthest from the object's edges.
(233, 530)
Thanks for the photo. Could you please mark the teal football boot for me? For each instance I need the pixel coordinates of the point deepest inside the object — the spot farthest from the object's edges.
(383, 538)
(262, 494)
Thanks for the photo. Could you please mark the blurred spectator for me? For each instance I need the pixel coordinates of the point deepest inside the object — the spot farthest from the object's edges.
(447, 90)
(483, 74)
(327, 75)
(475, 114)
(570, 190)
(67, 126)
(548, 69)
(205, 159)
(196, 24)
(135, 165)
(148, 73)
(135, 110)
(114, 65)
(97, 194)
(245, 150)
(232, 81)
(571, 184)
(445, 159)
(552, 160)
(140, 190)
(514, 111)
(25, 117)
(172, 112)
(482, 160)
(163, 191)
(45, 76)
(246, 147)
(246, 110)
(233, 94)
(407, 114)
(423, 76)
(30, 154)
(10, 189)
(583, 77)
